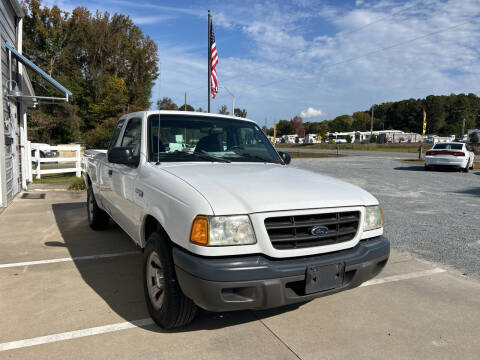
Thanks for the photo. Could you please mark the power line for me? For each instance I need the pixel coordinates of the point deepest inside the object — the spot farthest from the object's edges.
(378, 20)
(372, 52)
(341, 34)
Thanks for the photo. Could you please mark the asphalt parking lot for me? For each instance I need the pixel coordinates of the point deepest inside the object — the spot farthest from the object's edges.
(434, 215)
(67, 292)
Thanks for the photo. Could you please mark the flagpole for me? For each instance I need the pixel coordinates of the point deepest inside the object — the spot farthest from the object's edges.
(209, 57)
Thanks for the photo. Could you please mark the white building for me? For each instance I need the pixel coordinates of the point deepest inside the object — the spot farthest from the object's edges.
(311, 139)
(289, 139)
(433, 139)
(18, 95)
(383, 136)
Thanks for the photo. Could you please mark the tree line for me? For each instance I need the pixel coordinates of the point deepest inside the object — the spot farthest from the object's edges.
(106, 62)
(445, 116)
(111, 66)
(167, 103)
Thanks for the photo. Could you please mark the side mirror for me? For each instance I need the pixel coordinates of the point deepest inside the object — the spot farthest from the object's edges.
(285, 157)
(121, 155)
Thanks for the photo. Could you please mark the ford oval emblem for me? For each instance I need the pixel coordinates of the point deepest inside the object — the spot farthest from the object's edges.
(319, 230)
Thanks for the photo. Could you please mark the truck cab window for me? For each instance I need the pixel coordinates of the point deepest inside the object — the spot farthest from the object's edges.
(132, 136)
(116, 133)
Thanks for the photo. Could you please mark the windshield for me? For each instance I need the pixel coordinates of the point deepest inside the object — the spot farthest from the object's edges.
(186, 138)
(448, 146)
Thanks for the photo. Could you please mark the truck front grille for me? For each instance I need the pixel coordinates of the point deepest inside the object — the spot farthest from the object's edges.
(295, 232)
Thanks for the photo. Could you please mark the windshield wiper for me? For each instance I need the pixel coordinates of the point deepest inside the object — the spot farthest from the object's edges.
(253, 156)
(204, 155)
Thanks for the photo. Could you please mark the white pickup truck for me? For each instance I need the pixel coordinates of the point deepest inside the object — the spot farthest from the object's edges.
(223, 222)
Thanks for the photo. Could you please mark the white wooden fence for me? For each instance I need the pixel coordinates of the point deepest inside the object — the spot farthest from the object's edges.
(36, 160)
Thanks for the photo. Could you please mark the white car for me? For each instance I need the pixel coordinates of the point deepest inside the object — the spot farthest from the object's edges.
(452, 155)
(228, 225)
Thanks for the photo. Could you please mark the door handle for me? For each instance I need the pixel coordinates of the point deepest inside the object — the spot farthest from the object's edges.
(110, 172)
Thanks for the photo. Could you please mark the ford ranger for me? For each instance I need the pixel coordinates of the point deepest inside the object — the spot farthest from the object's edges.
(223, 222)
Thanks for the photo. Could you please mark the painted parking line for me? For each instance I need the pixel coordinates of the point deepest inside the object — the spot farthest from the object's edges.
(51, 261)
(148, 321)
(75, 334)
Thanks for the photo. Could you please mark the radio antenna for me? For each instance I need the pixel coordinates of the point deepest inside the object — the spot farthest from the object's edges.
(159, 110)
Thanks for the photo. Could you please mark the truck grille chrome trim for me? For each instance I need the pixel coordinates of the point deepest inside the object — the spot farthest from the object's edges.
(295, 232)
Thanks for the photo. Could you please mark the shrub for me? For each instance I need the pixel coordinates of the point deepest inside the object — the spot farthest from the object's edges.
(99, 138)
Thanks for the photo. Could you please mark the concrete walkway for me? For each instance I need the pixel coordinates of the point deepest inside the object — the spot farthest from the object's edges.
(87, 301)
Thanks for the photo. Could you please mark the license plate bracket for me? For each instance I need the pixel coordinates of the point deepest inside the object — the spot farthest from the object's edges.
(324, 277)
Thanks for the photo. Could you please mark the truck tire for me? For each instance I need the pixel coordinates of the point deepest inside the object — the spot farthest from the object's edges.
(166, 303)
(97, 218)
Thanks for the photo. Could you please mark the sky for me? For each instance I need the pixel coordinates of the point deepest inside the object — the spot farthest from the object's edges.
(317, 59)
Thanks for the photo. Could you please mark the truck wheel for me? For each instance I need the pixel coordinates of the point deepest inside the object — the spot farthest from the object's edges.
(166, 303)
(97, 218)
(427, 168)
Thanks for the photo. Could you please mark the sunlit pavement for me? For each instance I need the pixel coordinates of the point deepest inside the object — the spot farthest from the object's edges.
(87, 302)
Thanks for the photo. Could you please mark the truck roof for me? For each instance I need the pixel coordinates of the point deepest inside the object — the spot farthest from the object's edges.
(177, 112)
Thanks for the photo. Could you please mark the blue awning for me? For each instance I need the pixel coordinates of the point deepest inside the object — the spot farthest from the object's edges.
(35, 68)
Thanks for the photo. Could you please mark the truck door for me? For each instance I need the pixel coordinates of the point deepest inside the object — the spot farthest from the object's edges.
(125, 197)
(105, 172)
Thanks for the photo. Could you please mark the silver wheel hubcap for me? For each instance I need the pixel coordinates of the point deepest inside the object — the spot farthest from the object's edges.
(155, 280)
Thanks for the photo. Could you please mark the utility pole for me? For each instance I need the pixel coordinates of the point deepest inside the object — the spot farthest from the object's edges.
(185, 102)
(463, 127)
(371, 125)
(233, 99)
(209, 57)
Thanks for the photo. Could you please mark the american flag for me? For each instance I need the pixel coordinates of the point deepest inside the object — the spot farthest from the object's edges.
(213, 64)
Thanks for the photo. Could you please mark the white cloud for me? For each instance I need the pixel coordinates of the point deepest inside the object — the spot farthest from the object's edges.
(311, 113)
(300, 51)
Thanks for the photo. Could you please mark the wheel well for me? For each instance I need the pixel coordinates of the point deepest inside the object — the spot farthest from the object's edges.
(89, 181)
(152, 225)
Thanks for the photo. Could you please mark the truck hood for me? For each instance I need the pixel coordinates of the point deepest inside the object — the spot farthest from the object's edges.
(235, 188)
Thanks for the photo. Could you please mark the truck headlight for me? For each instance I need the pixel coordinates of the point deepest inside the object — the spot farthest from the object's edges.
(222, 231)
(373, 218)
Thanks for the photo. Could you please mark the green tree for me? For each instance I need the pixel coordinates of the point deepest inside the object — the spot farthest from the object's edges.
(223, 110)
(240, 112)
(297, 126)
(474, 138)
(89, 54)
(373, 138)
(284, 127)
(166, 104)
(189, 108)
(349, 139)
(113, 101)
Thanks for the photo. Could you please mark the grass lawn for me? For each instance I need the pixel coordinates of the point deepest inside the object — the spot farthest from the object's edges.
(409, 148)
(55, 179)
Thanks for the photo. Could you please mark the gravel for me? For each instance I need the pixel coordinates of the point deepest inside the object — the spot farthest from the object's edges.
(434, 214)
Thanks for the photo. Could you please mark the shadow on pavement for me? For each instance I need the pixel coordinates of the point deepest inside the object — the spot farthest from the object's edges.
(118, 280)
(410, 168)
(472, 191)
(422, 168)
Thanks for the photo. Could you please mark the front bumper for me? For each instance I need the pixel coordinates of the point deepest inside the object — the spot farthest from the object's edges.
(258, 282)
